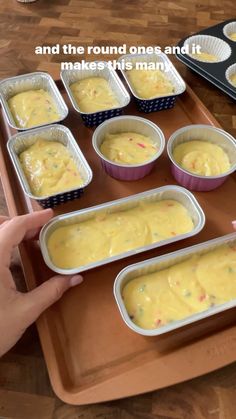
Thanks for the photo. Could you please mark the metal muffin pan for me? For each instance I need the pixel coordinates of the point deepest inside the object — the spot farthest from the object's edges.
(166, 192)
(213, 72)
(55, 132)
(161, 102)
(91, 119)
(162, 262)
(32, 81)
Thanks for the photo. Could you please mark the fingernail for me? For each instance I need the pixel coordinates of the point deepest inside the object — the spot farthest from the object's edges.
(76, 280)
(234, 223)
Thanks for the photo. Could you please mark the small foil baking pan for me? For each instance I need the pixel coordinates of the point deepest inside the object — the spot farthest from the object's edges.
(55, 132)
(165, 192)
(32, 81)
(93, 119)
(163, 262)
(157, 103)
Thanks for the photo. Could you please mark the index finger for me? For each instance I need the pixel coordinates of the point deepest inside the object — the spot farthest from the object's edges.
(19, 228)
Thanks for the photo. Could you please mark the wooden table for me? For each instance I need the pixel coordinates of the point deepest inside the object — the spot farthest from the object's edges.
(25, 390)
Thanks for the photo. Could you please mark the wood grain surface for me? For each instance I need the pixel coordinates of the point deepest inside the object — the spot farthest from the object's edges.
(25, 390)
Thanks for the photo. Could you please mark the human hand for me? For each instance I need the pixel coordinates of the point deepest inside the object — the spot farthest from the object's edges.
(19, 310)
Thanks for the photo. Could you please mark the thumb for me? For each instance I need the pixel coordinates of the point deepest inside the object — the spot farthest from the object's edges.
(234, 224)
(42, 297)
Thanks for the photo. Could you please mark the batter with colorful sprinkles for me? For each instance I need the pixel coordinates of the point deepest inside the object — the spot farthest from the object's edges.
(189, 287)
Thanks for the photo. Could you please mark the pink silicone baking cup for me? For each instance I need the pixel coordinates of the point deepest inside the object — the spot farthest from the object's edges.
(129, 124)
(127, 173)
(193, 183)
(205, 133)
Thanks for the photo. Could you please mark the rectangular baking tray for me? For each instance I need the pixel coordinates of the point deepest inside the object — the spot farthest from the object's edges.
(23, 140)
(31, 81)
(163, 262)
(91, 355)
(176, 193)
(215, 73)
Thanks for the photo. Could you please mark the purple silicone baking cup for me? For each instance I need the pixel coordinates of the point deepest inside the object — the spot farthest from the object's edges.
(128, 123)
(210, 133)
(194, 183)
(127, 173)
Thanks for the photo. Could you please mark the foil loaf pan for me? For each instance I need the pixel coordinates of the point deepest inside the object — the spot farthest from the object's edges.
(166, 192)
(162, 262)
(32, 81)
(161, 102)
(91, 119)
(21, 141)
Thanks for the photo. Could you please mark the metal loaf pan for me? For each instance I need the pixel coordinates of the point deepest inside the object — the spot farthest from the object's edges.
(32, 81)
(166, 192)
(160, 102)
(162, 262)
(91, 119)
(21, 141)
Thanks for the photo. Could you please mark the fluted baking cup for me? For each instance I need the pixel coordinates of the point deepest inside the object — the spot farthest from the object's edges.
(229, 29)
(201, 133)
(128, 124)
(211, 45)
(231, 71)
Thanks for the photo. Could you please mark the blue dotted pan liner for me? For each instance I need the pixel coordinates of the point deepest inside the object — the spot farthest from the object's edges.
(95, 119)
(61, 198)
(154, 105)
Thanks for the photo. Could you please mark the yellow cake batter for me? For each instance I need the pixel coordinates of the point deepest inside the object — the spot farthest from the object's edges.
(233, 36)
(34, 107)
(107, 235)
(186, 288)
(49, 168)
(94, 94)
(233, 79)
(202, 158)
(128, 148)
(205, 56)
(150, 83)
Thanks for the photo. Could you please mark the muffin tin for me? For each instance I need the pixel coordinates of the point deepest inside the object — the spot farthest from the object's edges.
(213, 72)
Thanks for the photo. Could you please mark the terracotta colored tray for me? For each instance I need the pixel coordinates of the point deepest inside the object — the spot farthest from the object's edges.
(90, 353)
